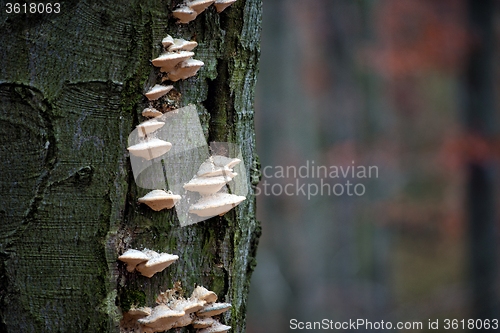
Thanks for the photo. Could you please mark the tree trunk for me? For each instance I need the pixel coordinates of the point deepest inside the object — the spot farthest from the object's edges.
(71, 90)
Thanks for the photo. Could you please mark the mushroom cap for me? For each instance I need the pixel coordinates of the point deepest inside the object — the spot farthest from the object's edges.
(184, 14)
(205, 185)
(220, 5)
(161, 318)
(204, 294)
(223, 161)
(157, 91)
(180, 44)
(203, 322)
(149, 126)
(139, 312)
(216, 327)
(151, 112)
(156, 264)
(183, 321)
(150, 149)
(132, 258)
(200, 5)
(208, 169)
(170, 59)
(188, 305)
(216, 204)
(213, 309)
(167, 41)
(185, 69)
(159, 199)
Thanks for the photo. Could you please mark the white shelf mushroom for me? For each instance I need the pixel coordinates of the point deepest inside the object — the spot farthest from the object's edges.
(203, 322)
(183, 321)
(220, 5)
(132, 258)
(209, 169)
(184, 14)
(161, 319)
(167, 41)
(206, 185)
(147, 262)
(151, 113)
(223, 161)
(184, 70)
(156, 264)
(171, 59)
(199, 5)
(216, 204)
(150, 149)
(216, 327)
(139, 312)
(157, 91)
(158, 200)
(173, 311)
(180, 44)
(213, 309)
(204, 294)
(188, 305)
(149, 126)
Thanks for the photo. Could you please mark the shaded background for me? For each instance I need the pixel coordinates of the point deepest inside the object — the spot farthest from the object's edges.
(408, 86)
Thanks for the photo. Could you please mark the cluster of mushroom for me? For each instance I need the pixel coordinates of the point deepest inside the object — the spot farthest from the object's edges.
(177, 59)
(188, 12)
(175, 311)
(212, 175)
(150, 147)
(147, 262)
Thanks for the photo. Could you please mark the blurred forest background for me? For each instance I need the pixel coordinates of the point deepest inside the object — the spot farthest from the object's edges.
(413, 88)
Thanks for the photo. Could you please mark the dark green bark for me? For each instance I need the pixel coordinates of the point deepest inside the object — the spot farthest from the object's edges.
(71, 90)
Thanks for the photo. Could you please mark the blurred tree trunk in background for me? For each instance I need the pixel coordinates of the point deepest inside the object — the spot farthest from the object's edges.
(71, 90)
(483, 123)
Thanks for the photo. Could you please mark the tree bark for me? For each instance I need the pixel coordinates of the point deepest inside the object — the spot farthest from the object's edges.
(71, 90)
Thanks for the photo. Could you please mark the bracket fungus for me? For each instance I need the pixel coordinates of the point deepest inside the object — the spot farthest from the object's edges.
(203, 322)
(167, 41)
(184, 70)
(184, 14)
(150, 149)
(147, 262)
(149, 126)
(204, 294)
(216, 327)
(132, 258)
(156, 264)
(206, 185)
(213, 309)
(159, 199)
(218, 166)
(179, 44)
(191, 9)
(175, 311)
(157, 91)
(220, 5)
(199, 5)
(223, 161)
(151, 113)
(216, 204)
(161, 319)
(169, 60)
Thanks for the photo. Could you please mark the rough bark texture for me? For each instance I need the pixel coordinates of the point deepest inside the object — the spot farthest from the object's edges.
(71, 90)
